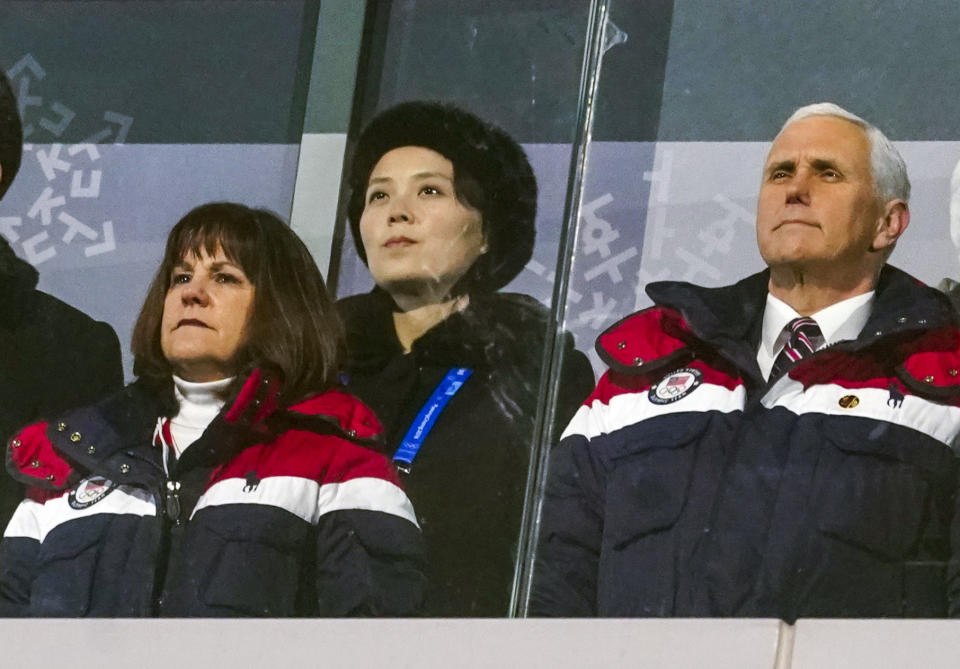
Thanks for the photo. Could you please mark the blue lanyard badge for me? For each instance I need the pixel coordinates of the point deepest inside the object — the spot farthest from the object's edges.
(429, 412)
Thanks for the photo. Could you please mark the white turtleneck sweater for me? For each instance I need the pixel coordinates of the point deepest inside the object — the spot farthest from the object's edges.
(199, 405)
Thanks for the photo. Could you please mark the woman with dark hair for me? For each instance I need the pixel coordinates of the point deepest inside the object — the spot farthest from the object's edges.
(442, 210)
(233, 477)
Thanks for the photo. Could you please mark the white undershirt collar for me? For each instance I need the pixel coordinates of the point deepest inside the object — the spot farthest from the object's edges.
(199, 405)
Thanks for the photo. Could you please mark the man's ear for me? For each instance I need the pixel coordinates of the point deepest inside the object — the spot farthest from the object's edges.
(893, 223)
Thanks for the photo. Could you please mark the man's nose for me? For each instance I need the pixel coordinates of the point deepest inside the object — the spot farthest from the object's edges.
(798, 189)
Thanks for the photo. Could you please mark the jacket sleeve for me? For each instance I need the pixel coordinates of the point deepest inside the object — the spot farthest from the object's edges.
(32, 461)
(565, 572)
(370, 553)
(18, 559)
(576, 382)
(953, 565)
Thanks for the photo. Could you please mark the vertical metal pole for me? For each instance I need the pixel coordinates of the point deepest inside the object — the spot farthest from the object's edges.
(366, 97)
(543, 436)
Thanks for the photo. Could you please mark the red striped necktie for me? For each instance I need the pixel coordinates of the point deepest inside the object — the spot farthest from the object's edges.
(805, 338)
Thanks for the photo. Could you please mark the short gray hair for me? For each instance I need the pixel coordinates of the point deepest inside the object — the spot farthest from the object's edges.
(890, 180)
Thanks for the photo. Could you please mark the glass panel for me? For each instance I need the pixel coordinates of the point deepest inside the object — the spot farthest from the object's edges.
(686, 109)
(516, 65)
(134, 113)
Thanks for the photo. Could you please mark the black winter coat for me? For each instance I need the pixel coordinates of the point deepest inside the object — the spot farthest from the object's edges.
(54, 358)
(467, 482)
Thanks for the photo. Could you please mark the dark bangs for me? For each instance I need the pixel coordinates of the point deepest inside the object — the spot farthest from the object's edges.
(209, 226)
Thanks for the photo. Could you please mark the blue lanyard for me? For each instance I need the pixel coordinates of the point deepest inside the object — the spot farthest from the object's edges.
(429, 412)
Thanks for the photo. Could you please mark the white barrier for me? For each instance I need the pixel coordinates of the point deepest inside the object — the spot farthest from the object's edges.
(469, 644)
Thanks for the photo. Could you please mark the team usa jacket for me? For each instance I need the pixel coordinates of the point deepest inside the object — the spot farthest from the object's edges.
(687, 485)
(272, 512)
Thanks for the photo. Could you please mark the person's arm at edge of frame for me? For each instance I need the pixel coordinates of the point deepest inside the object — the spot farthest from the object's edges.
(100, 373)
(22, 537)
(953, 564)
(18, 560)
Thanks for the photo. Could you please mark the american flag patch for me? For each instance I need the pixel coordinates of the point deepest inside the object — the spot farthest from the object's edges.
(675, 385)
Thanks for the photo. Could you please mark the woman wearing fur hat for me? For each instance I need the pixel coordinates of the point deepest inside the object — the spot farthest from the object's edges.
(442, 211)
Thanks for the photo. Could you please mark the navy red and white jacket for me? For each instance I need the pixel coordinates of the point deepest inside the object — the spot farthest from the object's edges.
(687, 485)
(272, 512)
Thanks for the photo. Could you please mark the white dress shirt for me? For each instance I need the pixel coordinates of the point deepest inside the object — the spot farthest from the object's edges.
(840, 321)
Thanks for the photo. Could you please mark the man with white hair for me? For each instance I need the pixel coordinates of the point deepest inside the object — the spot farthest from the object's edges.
(782, 447)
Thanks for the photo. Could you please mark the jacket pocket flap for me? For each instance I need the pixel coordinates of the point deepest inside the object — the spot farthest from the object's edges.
(57, 546)
(661, 433)
(932, 457)
(874, 493)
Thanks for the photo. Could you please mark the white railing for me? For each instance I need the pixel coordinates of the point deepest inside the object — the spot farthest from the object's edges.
(469, 644)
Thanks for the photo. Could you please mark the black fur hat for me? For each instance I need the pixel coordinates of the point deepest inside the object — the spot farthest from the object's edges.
(11, 135)
(491, 173)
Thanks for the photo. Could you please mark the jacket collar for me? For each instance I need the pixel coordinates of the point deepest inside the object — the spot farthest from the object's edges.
(726, 318)
(720, 316)
(689, 320)
(723, 316)
(905, 306)
(493, 330)
(373, 343)
(114, 437)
